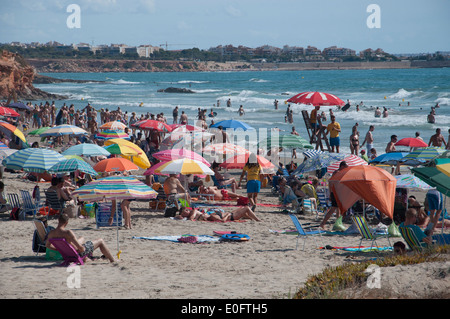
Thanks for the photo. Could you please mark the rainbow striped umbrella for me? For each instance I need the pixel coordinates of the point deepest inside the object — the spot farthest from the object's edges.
(113, 126)
(37, 160)
(10, 130)
(110, 134)
(114, 187)
(184, 166)
(411, 181)
(425, 154)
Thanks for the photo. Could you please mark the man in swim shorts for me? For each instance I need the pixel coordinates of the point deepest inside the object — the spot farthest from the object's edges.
(84, 248)
(435, 205)
(334, 128)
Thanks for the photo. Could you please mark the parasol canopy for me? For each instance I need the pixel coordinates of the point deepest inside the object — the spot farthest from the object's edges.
(10, 130)
(318, 162)
(64, 129)
(173, 154)
(286, 141)
(351, 160)
(37, 160)
(316, 98)
(233, 124)
(184, 166)
(411, 142)
(110, 134)
(140, 160)
(86, 149)
(72, 165)
(115, 164)
(7, 112)
(113, 126)
(152, 125)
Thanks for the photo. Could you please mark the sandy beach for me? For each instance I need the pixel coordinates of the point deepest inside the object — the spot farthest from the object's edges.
(268, 266)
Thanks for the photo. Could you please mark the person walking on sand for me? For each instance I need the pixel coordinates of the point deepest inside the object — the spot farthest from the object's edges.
(253, 171)
(84, 248)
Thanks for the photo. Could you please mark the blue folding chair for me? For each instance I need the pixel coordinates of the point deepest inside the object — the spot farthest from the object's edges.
(302, 232)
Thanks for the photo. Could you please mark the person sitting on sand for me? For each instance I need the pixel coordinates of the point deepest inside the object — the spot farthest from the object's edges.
(288, 195)
(84, 248)
(174, 190)
(410, 222)
(219, 194)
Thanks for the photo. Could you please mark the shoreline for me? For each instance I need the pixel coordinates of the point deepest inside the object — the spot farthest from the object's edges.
(108, 65)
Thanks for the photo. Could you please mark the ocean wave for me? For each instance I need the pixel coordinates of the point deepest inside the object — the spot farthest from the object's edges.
(258, 80)
(402, 93)
(443, 101)
(121, 81)
(206, 91)
(192, 81)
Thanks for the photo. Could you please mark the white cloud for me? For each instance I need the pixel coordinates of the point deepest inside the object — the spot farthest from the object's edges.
(232, 11)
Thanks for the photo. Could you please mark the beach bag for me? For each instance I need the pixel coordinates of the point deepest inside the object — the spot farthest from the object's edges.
(393, 230)
(170, 212)
(338, 225)
(71, 209)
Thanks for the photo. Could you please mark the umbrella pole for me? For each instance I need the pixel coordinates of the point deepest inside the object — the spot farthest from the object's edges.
(117, 223)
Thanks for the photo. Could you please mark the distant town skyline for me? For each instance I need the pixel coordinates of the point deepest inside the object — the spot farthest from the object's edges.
(412, 26)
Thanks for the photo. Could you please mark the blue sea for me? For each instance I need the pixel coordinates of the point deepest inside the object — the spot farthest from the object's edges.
(256, 91)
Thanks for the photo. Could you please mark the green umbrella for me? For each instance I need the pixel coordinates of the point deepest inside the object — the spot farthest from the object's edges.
(39, 131)
(286, 141)
(433, 177)
(424, 153)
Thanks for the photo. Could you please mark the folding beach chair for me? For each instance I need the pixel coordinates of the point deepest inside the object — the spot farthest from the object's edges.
(302, 232)
(53, 201)
(411, 239)
(39, 238)
(14, 202)
(365, 232)
(69, 254)
(324, 201)
(308, 207)
(30, 206)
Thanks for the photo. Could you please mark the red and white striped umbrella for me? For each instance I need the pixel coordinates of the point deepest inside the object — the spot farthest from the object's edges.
(316, 98)
(351, 160)
(6, 111)
(152, 125)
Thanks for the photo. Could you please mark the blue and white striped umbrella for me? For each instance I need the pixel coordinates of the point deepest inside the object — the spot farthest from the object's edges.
(38, 160)
(64, 129)
(312, 153)
(86, 149)
(72, 165)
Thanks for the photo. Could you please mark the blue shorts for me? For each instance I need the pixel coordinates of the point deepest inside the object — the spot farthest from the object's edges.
(434, 200)
(253, 186)
(335, 141)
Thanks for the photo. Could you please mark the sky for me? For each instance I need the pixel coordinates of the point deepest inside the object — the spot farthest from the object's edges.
(405, 26)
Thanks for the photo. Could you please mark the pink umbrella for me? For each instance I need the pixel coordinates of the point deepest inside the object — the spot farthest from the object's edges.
(316, 98)
(151, 170)
(351, 160)
(6, 111)
(169, 155)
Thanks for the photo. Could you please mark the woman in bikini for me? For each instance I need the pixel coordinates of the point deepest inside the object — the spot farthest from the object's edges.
(354, 142)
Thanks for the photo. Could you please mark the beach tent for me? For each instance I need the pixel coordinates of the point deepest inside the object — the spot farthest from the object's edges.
(370, 183)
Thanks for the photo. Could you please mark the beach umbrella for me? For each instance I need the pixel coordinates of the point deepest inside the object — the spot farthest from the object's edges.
(286, 141)
(425, 154)
(110, 134)
(318, 161)
(411, 142)
(173, 154)
(233, 124)
(86, 149)
(3, 146)
(351, 160)
(115, 164)
(411, 181)
(72, 165)
(443, 165)
(370, 183)
(7, 112)
(9, 130)
(113, 126)
(184, 166)
(389, 158)
(140, 160)
(433, 177)
(38, 160)
(191, 141)
(120, 149)
(5, 152)
(114, 188)
(62, 130)
(225, 148)
(311, 153)
(19, 105)
(152, 125)
(39, 130)
(153, 168)
(316, 98)
(239, 161)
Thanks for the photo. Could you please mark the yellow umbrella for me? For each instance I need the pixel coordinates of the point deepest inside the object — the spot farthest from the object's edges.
(443, 166)
(140, 160)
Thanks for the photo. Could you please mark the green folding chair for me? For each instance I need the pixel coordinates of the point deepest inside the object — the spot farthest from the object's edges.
(365, 232)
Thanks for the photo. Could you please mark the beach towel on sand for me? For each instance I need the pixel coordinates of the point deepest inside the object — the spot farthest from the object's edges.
(200, 238)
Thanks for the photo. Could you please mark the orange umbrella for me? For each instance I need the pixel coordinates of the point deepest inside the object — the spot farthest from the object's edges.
(116, 164)
(239, 162)
(373, 184)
